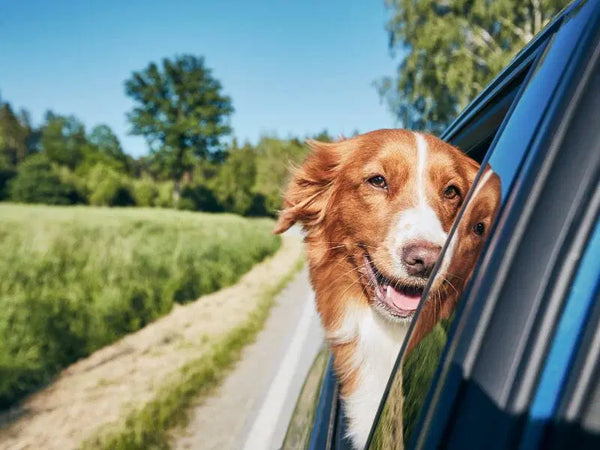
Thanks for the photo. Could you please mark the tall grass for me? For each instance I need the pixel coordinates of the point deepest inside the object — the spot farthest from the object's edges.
(148, 426)
(74, 279)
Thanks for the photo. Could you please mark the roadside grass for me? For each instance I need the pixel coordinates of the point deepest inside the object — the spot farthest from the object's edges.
(74, 279)
(148, 426)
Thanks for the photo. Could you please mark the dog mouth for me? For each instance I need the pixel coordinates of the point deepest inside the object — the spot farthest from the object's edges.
(394, 296)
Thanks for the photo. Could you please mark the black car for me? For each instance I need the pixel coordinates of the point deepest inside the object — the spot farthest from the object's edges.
(517, 365)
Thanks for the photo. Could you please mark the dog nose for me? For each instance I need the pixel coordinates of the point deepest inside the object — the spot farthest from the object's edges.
(420, 257)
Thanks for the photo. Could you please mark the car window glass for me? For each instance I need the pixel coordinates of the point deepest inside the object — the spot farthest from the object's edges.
(408, 387)
(428, 338)
(299, 429)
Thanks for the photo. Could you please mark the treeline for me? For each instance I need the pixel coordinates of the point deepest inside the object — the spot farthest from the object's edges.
(62, 163)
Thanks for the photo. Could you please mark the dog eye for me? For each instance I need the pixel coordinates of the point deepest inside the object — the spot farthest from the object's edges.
(479, 229)
(451, 192)
(378, 181)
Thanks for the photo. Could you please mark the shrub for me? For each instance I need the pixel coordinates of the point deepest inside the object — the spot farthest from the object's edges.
(258, 207)
(37, 182)
(165, 195)
(76, 179)
(108, 187)
(145, 192)
(6, 174)
(199, 198)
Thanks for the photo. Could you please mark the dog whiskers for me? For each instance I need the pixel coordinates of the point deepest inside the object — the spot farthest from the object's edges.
(444, 280)
(348, 272)
(354, 282)
(455, 276)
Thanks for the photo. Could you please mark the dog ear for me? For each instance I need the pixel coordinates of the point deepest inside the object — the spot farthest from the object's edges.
(310, 189)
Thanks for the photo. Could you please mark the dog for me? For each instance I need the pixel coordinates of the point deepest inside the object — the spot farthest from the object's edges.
(461, 255)
(376, 210)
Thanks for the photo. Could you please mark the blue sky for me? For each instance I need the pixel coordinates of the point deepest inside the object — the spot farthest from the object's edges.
(291, 67)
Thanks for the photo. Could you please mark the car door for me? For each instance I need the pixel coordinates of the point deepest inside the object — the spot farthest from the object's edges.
(470, 379)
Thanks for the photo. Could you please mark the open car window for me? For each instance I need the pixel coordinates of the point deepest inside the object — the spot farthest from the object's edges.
(424, 347)
(500, 133)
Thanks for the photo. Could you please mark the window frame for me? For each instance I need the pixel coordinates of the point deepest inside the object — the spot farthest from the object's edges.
(480, 123)
(462, 361)
(568, 81)
(473, 128)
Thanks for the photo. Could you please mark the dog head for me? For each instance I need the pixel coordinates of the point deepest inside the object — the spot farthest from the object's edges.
(468, 240)
(461, 255)
(379, 206)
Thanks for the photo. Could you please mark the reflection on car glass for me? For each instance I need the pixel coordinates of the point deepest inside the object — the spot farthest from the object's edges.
(426, 343)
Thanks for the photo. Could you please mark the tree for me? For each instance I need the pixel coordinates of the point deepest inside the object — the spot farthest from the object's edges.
(324, 136)
(14, 135)
(181, 111)
(234, 183)
(63, 140)
(276, 156)
(103, 138)
(103, 147)
(451, 49)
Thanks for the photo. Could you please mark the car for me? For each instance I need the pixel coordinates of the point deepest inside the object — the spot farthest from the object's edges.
(517, 364)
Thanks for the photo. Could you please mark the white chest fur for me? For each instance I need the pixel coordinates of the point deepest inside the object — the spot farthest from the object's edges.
(379, 342)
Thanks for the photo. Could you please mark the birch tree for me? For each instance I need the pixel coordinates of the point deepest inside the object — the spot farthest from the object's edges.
(449, 50)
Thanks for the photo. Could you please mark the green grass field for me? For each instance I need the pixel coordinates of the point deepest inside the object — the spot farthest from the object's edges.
(73, 279)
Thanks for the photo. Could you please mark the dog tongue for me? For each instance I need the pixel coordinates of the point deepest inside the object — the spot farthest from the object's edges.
(403, 301)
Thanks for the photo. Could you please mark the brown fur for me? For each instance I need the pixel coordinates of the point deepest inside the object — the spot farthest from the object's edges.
(342, 214)
(442, 303)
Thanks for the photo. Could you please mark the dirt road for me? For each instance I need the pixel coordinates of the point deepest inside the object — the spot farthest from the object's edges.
(253, 406)
(98, 390)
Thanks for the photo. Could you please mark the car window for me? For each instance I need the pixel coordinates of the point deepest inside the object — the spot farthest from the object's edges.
(299, 429)
(429, 335)
(408, 388)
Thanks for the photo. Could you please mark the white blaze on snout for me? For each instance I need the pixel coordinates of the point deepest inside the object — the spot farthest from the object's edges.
(419, 223)
(449, 254)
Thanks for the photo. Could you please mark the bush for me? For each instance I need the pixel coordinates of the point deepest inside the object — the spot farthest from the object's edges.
(76, 179)
(199, 198)
(75, 279)
(164, 198)
(108, 187)
(6, 174)
(258, 207)
(145, 192)
(37, 182)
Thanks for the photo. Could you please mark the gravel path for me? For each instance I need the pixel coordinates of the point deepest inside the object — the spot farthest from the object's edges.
(253, 406)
